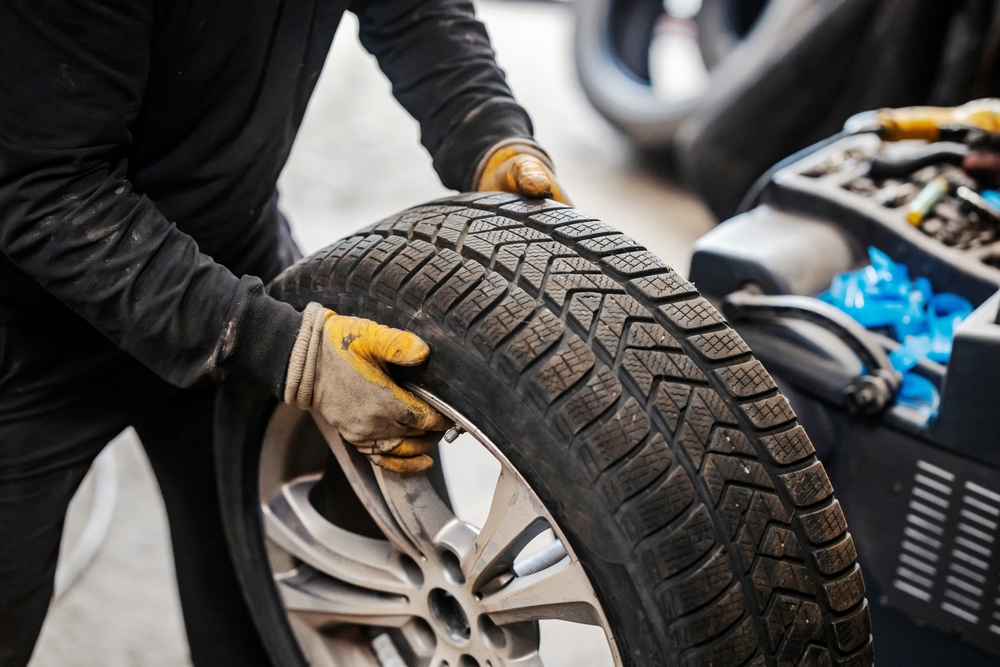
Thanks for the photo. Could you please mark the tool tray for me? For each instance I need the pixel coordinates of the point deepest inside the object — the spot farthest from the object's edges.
(922, 499)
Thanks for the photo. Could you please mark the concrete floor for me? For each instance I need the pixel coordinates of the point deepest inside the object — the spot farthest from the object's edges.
(356, 160)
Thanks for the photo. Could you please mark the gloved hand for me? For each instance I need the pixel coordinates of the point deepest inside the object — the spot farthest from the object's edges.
(927, 122)
(520, 167)
(338, 368)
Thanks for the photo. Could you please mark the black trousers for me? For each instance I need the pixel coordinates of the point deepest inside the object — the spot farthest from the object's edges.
(65, 391)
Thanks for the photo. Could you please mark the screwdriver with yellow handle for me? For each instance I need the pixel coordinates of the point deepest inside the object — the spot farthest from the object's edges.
(928, 123)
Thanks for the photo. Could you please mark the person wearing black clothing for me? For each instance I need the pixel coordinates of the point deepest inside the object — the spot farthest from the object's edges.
(140, 145)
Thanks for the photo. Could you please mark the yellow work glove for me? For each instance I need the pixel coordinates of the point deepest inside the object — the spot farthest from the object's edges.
(520, 167)
(338, 367)
(926, 122)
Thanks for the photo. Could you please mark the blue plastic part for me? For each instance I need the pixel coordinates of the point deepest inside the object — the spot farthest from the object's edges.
(882, 296)
(992, 196)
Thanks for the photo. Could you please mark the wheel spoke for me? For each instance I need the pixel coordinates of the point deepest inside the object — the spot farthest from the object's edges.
(516, 517)
(320, 600)
(293, 523)
(422, 515)
(358, 471)
(561, 592)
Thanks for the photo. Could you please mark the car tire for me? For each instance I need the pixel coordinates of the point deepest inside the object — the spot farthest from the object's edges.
(664, 451)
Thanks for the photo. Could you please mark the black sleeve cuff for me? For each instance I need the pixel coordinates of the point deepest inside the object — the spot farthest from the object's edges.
(459, 155)
(264, 336)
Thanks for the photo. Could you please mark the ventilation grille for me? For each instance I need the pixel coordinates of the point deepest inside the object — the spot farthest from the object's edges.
(946, 554)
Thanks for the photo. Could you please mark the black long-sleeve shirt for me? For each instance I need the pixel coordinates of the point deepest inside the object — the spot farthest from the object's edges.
(141, 140)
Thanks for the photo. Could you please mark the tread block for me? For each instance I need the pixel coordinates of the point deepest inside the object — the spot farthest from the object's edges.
(482, 247)
(574, 265)
(769, 574)
(307, 270)
(730, 441)
(404, 224)
(711, 621)
(660, 287)
(816, 656)
(494, 199)
(460, 282)
(682, 546)
(427, 230)
(644, 367)
(384, 226)
(734, 649)
(769, 412)
(561, 285)
(835, 557)
(395, 273)
(618, 436)
(562, 370)
(589, 402)
(639, 470)
(650, 335)
(583, 230)
(809, 485)
(691, 314)
(338, 280)
(515, 308)
(321, 279)
(746, 379)
(430, 275)
(670, 400)
(611, 244)
(765, 507)
(520, 210)
(823, 525)
(788, 447)
(734, 504)
(616, 311)
(719, 345)
(633, 264)
(658, 506)
(583, 306)
(491, 223)
(697, 588)
(537, 257)
(541, 333)
(549, 220)
(863, 657)
(846, 591)
(489, 291)
(508, 259)
(853, 630)
(794, 620)
(705, 409)
(780, 542)
(720, 470)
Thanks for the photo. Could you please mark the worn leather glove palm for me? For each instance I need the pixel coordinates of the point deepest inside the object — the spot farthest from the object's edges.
(338, 367)
(520, 167)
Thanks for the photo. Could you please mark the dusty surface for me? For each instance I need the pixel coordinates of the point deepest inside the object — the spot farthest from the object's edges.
(356, 160)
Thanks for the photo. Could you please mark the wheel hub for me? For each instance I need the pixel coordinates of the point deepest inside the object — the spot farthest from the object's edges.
(450, 617)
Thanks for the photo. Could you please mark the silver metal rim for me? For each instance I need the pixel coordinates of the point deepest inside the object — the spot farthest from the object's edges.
(438, 591)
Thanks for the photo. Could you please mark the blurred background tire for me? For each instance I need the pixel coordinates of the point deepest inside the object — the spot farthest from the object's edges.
(779, 75)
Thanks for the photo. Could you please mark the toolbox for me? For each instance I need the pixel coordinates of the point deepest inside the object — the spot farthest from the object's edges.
(921, 492)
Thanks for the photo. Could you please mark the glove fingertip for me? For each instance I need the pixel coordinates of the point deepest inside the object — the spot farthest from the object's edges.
(408, 350)
(403, 465)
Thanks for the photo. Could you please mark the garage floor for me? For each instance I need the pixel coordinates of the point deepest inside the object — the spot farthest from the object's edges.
(357, 159)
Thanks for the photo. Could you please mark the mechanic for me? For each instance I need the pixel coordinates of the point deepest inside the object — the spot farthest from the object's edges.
(140, 145)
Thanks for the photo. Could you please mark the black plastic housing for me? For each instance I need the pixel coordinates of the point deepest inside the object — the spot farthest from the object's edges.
(806, 230)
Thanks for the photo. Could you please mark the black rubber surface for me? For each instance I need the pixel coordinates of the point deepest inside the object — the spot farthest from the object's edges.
(660, 445)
